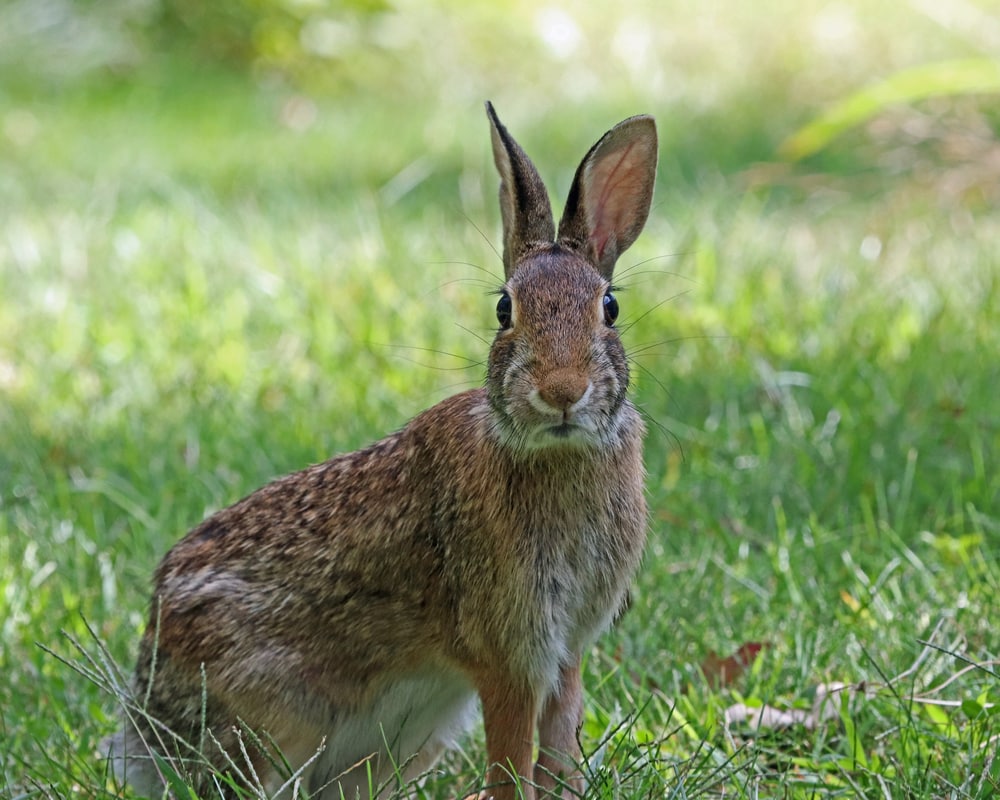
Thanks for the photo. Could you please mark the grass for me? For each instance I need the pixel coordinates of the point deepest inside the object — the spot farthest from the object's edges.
(197, 297)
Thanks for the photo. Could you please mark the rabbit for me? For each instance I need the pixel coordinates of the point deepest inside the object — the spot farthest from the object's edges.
(344, 625)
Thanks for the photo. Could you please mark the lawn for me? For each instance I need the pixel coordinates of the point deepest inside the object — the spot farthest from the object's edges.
(214, 272)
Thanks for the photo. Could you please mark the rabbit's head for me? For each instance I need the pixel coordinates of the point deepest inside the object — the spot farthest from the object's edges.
(558, 373)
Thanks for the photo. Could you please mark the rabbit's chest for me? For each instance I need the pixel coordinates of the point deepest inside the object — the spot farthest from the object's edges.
(580, 587)
(546, 565)
(576, 588)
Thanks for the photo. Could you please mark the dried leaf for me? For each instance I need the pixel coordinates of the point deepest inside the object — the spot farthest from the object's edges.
(721, 672)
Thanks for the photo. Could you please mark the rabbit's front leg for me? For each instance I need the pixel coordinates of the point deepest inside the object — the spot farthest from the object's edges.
(558, 729)
(509, 713)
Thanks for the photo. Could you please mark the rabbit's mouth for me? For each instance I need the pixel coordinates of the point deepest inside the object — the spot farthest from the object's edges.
(564, 430)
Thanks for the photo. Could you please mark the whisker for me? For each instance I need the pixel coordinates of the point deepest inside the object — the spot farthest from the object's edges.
(640, 349)
(669, 434)
(650, 310)
(473, 281)
(452, 387)
(652, 377)
(471, 332)
(484, 237)
(471, 362)
(628, 271)
(491, 285)
(467, 264)
(631, 276)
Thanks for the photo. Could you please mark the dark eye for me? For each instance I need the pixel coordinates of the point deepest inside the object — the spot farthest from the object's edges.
(610, 309)
(504, 310)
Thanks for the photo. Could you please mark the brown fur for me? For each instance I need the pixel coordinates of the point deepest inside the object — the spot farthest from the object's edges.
(480, 549)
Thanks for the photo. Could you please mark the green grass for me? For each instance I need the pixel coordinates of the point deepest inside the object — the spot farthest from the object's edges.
(196, 298)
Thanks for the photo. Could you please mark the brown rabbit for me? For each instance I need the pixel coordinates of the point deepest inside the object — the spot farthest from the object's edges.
(338, 624)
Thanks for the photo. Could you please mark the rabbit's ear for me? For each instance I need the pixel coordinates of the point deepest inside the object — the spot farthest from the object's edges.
(524, 203)
(611, 193)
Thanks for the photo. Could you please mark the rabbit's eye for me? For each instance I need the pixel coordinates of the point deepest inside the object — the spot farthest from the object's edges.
(610, 309)
(504, 311)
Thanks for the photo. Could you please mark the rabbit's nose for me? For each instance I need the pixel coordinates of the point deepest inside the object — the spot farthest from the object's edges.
(562, 389)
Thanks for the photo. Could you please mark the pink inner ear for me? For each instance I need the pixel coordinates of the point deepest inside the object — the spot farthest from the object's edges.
(616, 181)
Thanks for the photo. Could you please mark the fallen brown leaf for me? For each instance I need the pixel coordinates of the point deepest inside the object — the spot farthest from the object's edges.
(721, 672)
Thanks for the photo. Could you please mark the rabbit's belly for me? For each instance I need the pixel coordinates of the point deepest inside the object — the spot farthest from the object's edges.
(403, 731)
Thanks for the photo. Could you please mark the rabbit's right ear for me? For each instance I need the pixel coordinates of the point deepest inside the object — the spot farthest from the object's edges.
(524, 202)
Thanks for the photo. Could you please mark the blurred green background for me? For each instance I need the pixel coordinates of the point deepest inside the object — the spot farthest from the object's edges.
(238, 237)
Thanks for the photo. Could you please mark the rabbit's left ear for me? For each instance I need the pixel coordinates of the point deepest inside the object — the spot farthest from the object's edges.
(611, 194)
(524, 203)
